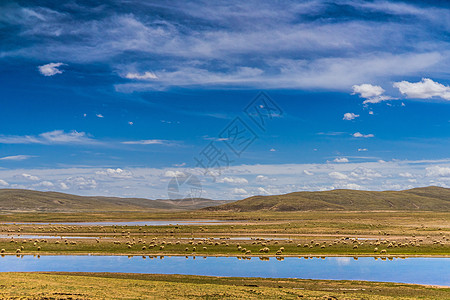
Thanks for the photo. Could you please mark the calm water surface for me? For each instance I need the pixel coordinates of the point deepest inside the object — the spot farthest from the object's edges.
(434, 271)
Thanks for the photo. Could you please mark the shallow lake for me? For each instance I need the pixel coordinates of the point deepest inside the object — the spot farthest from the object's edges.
(420, 270)
(136, 223)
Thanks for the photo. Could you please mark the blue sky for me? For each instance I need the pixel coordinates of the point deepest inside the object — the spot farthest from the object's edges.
(118, 98)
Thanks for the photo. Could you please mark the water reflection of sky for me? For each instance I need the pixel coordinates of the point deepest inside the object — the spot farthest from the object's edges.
(435, 271)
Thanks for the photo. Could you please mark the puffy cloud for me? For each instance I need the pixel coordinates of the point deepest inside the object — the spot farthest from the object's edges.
(350, 116)
(275, 178)
(438, 171)
(115, 173)
(360, 135)
(424, 89)
(273, 150)
(145, 76)
(233, 180)
(50, 69)
(30, 177)
(81, 183)
(351, 186)
(174, 174)
(341, 160)
(372, 93)
(362, 173)
(338, 176)
(99, 116)
(261, 178)
(45, 184)
(406, 175)
(63, 186)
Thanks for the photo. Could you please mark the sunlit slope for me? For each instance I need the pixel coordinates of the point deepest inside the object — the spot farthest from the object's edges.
(27, 200)
(428, 198)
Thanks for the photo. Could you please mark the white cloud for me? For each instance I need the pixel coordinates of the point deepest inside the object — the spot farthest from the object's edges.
(147, 142)
(17, 157)
(233, 180)
(438, 171)
(341, 160)
(174, 174)
(59, 136)
(350, 116)
(99, 116)
(263, 191)
(424, 89)
(51, 137)
(3, 183)
(130, 123)
(406, 175)
(50, 69)
(363, 173)
(362, 149)
(240, 191)
(188, 49)
(63, 186)
(81, 182)
(273, 150)
(115, 173)
(352, 186)
(372, 93)
(145, 76)
(30, 177)
(338, 176)
(45, 184)
(309, 173)
(360, 135)
(275, 178)
(261, 178)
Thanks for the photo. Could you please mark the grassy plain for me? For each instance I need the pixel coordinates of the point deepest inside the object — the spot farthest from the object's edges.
(314, 233)
(148, 286)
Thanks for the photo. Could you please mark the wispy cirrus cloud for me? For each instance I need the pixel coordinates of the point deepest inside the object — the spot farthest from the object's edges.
(147, 75)
(17, 157)
(149, 142)
(50, 137)
(312, 44)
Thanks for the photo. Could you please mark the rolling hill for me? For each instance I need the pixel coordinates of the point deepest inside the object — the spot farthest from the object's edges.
(17, 200)
(427, 198)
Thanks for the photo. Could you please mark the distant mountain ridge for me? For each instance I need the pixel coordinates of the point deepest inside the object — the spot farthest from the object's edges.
(14, 200)
(427, 198)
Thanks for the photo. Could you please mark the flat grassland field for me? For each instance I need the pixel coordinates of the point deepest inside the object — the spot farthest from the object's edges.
(262, 233)
(146, 286)
(383, 234)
